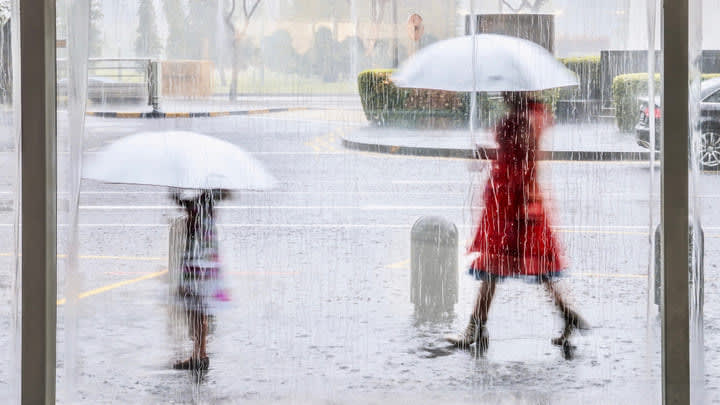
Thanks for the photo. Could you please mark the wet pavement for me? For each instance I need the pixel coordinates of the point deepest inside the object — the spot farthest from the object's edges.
(320, 281)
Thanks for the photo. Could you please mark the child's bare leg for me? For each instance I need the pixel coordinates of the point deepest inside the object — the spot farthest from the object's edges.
(201, 341)
(198, 329)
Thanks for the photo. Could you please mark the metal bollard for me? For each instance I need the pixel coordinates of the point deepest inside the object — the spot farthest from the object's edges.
(153, 77)
(434, 265)
(699, 283)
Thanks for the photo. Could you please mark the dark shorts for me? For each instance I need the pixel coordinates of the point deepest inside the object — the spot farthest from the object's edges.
(483, 275)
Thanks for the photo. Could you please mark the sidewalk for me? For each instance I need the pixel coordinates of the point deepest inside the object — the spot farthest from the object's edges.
(221, 106)
(585, 142)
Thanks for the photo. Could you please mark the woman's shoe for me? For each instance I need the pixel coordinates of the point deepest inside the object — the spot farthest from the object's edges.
(573, 321)
(466, 339)
(473, 335)
(482, 341)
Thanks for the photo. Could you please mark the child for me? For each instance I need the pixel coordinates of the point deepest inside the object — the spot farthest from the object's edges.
(200, 284)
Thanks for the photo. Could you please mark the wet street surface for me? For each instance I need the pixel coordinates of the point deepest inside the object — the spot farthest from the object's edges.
(319, 273)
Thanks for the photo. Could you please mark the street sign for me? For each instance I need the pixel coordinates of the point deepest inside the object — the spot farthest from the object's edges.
(415, 27)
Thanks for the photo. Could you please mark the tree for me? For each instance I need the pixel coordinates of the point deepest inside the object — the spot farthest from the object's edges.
(323, 58)
(377, 14)
(147, 42)
(201, 27)
(377, 10)
(249, 7)
(526, 4)
(350, 54)
(95, 40)
(281, 55)
(175, 18)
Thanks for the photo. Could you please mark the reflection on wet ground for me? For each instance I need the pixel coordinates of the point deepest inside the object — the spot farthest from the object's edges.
(320, 279)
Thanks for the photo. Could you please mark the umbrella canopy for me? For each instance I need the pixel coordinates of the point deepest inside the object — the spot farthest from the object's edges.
(178, 159)
(501, 63)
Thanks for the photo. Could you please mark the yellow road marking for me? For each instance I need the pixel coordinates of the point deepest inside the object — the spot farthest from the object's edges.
(609, 275)
(324, 143)
(113, 286)
(399, 265)
(639, 233)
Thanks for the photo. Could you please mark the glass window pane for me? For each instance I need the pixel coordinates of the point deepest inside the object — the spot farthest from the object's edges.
(703, 199)
(341, 280)
(9, 131)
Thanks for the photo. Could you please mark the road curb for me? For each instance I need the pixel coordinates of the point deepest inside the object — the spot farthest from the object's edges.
(490, 153)
(200, 114)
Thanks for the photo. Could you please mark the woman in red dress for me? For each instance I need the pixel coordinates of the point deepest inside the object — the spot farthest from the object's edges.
(514, 238)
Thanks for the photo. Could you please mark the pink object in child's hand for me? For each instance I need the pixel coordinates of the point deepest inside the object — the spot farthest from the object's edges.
(222, 295)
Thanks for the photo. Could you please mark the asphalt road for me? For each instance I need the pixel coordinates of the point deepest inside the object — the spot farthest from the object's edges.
(319, 274)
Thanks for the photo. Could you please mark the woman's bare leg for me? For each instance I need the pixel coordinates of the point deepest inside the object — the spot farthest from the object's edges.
(474, 331)
(572, 319)
(557, 296)
(483, 301)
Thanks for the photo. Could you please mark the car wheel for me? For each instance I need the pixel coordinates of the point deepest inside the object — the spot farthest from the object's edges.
(710, 155)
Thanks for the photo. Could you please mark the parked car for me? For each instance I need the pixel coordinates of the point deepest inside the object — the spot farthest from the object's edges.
(103, 90)
(709, 124)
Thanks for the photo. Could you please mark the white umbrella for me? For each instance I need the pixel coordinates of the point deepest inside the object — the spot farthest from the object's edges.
(501, 63)
(178, 159)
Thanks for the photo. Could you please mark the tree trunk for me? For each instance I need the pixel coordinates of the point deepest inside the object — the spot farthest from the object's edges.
(221, 65)
(232, 93)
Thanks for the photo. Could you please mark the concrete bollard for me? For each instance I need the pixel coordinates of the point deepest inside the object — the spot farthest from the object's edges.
(434, 265)
(699, 283)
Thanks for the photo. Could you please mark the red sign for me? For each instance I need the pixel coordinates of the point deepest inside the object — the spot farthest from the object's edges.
(415, 27)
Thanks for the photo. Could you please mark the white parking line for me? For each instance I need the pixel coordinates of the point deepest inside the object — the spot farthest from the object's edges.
(264, 193)
(431, 182)
(279, 207)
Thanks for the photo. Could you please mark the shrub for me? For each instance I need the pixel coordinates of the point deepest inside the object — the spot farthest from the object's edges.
(324, 58)
(627, 88)
(385, 104)
(587, 69)
(379, 96)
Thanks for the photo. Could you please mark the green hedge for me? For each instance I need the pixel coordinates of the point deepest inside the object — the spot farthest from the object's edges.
(587, 69)
(378, 95)
(625, 91)
(385, 104)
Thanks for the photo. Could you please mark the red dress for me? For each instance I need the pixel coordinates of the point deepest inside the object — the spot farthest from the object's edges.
(514, 236)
